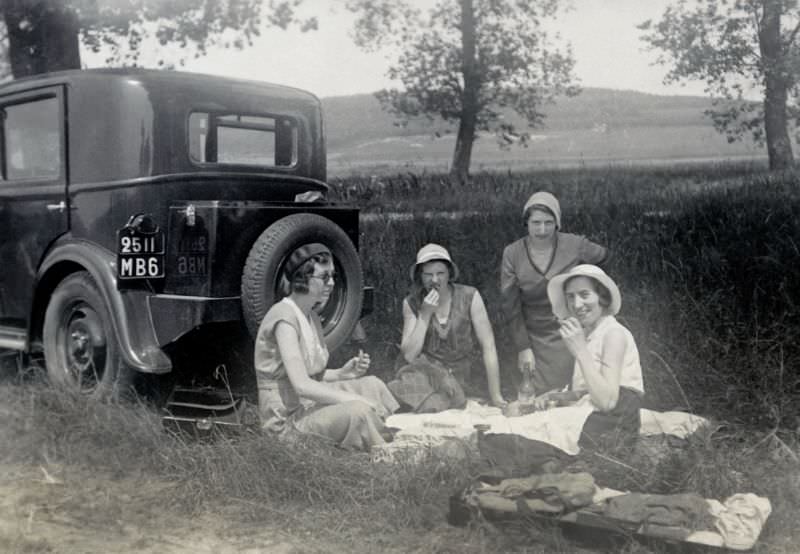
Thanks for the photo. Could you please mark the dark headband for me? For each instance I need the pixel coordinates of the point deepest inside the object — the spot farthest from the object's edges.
(302, 255)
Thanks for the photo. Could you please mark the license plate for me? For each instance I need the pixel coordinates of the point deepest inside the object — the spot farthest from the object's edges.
(140, 255)
(192, 264)
(192, 255)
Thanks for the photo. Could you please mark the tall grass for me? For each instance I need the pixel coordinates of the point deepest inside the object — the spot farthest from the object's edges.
(705, 261)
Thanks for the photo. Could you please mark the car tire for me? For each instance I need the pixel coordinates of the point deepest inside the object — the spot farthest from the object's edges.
(81, 350)
(263, 282)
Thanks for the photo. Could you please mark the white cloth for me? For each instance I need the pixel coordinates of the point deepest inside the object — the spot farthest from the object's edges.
(678, 424)
(740, 519)
(560, 427)
(631, 373)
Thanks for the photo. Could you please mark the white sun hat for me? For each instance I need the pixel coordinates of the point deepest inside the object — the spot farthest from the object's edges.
(555, 289)
(431, 253)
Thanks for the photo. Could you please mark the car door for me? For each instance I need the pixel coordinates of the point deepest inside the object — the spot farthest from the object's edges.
(33, 200)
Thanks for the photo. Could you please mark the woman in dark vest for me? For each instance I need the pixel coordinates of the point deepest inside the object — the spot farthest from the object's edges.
(441, 321)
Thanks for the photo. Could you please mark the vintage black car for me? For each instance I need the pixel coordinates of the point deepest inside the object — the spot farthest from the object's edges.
(146, 215)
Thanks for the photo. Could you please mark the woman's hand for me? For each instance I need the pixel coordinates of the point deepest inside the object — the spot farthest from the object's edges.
(429, 304)
(540, 402)
(526, 361)
(355, 367)
(573, 335)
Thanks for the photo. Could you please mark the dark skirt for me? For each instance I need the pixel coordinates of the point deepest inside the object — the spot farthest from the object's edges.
(619, 426)
(554, 363)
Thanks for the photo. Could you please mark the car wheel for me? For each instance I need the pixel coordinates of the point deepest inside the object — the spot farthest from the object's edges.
(80, 348)
(263, 282)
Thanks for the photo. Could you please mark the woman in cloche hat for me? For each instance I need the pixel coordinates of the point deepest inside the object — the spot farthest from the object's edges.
(528, 264)
(295, 390)
(440, 319)
(607, 372)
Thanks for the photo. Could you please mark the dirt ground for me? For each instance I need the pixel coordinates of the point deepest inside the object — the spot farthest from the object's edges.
(51, 509)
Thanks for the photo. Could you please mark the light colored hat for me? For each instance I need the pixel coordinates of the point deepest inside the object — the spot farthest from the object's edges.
(548, 201)
(430, 253)
(555, 289)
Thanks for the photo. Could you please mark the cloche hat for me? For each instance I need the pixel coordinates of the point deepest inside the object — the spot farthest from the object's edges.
(547, 200)
(302, 255)
(433, 252)
(555, 289)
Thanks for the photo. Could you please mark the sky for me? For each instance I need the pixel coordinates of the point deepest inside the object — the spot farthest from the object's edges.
(603, 34)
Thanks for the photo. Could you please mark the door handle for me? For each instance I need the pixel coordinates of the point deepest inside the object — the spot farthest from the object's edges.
(60, 207)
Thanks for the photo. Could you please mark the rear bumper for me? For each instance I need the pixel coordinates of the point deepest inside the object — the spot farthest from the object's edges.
(175, 315)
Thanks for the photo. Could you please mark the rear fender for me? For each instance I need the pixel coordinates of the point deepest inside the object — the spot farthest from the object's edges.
(130, 315)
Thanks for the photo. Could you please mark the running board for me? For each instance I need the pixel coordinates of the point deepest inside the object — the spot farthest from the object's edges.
(13, 338)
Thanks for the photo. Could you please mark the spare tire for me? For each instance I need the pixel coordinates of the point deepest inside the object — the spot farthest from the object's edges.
(263, 282)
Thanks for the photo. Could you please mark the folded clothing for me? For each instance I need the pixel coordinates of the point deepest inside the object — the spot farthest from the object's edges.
(688, 511)
(740, 518)
(548, 492)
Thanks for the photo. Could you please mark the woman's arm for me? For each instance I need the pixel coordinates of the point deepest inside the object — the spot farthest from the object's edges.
(353, 369)
(414, 329)
(511, 304)
(305, 386)
(593, 253)
(483, 330)
(602, 379)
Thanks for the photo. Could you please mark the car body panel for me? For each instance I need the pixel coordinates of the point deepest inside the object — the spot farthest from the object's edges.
(128, 146)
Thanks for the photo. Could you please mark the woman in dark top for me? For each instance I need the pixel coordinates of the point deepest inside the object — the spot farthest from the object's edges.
(442, 321)
(528, 265)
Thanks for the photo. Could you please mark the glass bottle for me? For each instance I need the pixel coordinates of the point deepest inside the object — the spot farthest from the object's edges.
(526, 392)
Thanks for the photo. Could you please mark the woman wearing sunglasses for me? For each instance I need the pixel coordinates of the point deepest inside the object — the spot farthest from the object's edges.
(295, 388)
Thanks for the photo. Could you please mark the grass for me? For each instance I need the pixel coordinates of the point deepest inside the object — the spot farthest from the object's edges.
(705, 260)
(333, 497)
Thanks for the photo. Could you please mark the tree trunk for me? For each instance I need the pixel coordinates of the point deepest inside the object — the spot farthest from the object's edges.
(42, 36)
(462, 155)
(779, 147)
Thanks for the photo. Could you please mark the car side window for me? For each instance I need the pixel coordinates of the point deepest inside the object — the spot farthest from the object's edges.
(31, 140)
(242, 139)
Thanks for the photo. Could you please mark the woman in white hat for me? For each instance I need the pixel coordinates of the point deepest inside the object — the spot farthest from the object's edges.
(607, 372)
(440, 318)
(295, 390)
(528, 265)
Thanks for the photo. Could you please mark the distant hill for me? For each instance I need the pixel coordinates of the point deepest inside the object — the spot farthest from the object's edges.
(359, 117)
(598, 126)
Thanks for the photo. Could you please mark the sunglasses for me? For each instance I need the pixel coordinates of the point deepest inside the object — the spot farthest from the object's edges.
(326, 277)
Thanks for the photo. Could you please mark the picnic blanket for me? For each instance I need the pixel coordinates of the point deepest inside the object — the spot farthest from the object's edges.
(559, 427)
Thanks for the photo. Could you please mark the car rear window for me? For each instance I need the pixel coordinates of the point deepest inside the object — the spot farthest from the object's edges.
(238, 139)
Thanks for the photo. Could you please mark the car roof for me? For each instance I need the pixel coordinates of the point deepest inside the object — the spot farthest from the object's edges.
(150, 79)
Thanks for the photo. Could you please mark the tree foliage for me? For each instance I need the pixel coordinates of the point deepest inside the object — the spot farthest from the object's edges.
(120, 27)
(467, 62)
(740, 49)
